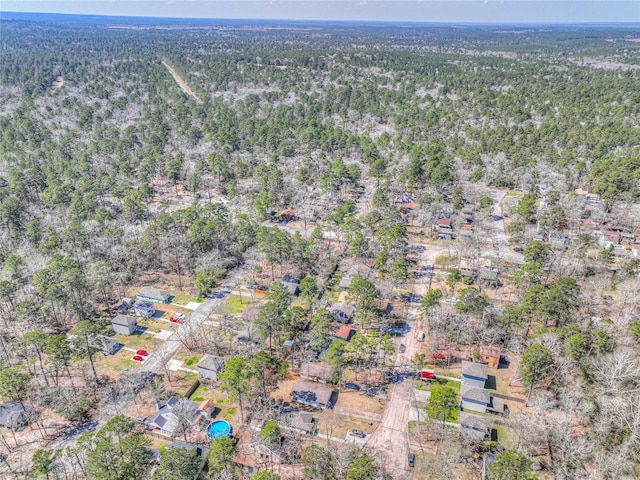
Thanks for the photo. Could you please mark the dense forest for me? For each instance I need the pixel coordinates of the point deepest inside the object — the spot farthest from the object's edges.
(113, 171)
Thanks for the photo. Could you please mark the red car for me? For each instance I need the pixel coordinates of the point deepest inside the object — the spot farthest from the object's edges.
(427, 374)
(175, 320)
(137, 358)
(142, 353)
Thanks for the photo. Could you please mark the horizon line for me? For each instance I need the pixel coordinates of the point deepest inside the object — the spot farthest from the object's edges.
(412, 22)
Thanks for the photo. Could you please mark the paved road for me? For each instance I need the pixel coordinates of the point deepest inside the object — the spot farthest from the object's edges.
(193, 321)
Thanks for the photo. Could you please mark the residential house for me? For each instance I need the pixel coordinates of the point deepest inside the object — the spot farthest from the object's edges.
(473, 427)
(155, 295)
(557, 241)
(109, 345)
(343, 312)
(313, 394)
(474, 398)
(442, 224)
(609, 238)
(355, 269)
(343, 332)
(291, 283)
(287, 215)
(170, 419)
(210, 366)
(124, 324)
(474, 374)
(301, 422)
(14, 416)
(144, 309)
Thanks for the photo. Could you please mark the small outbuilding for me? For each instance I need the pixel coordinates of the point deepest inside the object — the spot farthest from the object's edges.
(109, 346)
(155, 295)
(124, 324)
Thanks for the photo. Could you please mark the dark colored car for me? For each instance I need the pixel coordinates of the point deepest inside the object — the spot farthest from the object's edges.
(402, 348)
(352, 386)
(357, 433)
(411, 459)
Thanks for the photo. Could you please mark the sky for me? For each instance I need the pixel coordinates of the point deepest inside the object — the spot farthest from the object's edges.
(448, 11)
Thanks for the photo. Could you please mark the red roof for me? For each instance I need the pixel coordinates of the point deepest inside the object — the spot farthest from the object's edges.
(344, 332)
(445, 222)
(612, 236)
(409, 205)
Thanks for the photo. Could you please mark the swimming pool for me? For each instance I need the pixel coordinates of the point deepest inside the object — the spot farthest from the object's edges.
(219, 428)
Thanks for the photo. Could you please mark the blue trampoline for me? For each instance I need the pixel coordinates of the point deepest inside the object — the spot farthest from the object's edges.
(218, 429)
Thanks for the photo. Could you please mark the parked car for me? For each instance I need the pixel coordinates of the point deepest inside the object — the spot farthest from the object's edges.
(411, 459)
(175, 320)
(181, 316)
(137, 358)
(421, 336)
(402, 348)
(356, 433)
(352, 386)
(142, 353)
(426, 374)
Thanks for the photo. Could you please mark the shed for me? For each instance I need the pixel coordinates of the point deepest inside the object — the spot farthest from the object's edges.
(155, 295)
(209, 366)
(124, 324)
(474, 374)
(474, 398)
(473, 427)
(313, 394)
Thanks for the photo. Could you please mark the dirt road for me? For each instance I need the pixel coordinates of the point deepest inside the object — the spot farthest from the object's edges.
(183, 85)
(389, 442)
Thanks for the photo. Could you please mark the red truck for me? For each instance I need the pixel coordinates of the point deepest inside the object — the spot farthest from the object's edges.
(427, 375)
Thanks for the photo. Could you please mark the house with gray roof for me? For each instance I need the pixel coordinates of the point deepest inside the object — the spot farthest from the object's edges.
(302, 422)
(169, 418)
(474, 374)
(109, 345)
(474, 398)
(124, 324)
(473, 427)
(155, 295)
(313, 394)
(209, 366)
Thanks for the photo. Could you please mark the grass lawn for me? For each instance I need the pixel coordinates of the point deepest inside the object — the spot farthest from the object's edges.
(426, 384)
(113, 365)
(228, 409)
(153, 324)
(138, 341)
(158, 443)
(232, 305)
(182, 299)
(180, 382)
